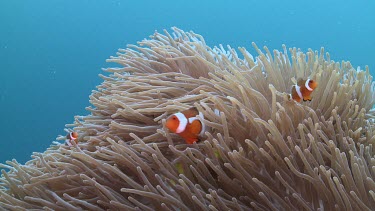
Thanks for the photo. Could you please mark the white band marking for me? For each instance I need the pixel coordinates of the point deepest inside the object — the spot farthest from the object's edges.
(298, 90)
(71, 136)
(307, 85)
(183, 122)
(191, 119)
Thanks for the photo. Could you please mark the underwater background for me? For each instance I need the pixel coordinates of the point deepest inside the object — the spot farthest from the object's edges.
(51, 52)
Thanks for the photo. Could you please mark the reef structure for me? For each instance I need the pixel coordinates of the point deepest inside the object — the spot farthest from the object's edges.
(262, 152)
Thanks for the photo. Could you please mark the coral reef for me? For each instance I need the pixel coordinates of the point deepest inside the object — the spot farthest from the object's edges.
(263, 152)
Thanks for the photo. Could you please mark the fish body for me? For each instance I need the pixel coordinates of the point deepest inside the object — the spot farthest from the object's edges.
(186, 124)
(303, 89)
(72, 136)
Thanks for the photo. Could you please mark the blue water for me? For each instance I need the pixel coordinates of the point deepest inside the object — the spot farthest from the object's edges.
(52, 51)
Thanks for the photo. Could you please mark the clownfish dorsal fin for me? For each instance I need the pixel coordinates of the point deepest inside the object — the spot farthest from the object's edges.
(193, 109)
(191, 112)
(300, 82)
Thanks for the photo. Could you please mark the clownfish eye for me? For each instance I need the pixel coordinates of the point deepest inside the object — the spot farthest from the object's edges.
(174, 118)
(311, 81)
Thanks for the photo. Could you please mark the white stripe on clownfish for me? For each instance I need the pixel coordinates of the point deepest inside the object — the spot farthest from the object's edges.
(307, 85)
(183, 122)
(298, 90)
(71, 136)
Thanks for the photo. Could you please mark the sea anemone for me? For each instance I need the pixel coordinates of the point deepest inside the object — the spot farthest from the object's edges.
(262, 151)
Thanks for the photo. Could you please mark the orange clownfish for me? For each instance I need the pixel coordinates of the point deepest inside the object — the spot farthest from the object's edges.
(72, 136)
(303, 89)
(186, 124)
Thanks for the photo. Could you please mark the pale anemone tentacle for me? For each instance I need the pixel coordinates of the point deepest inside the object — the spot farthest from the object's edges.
(262, 151)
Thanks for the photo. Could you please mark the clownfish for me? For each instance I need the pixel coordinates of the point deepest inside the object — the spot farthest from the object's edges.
(186, 124)
(303, 89)
(72, 136)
